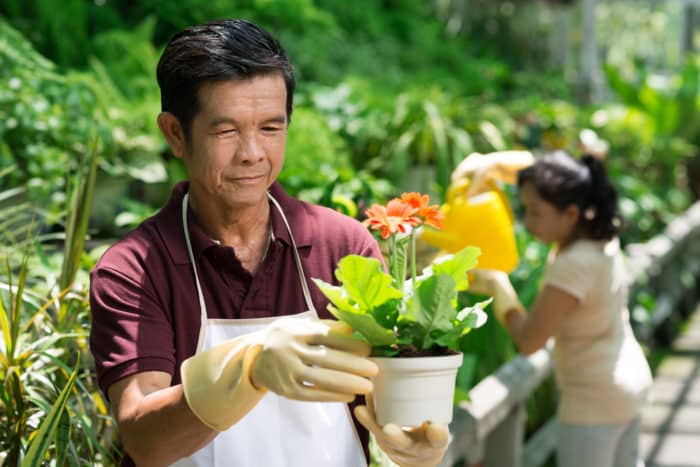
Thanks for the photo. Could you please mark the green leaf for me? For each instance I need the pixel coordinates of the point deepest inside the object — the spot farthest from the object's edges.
(365, 324)
(337, 295)
(461, 396)
(474, 314)
(10, 316)
(8, 342)
(457, 265)
(76, 228)
(42, 440)
(398, 253)
(465, 377)
(410, 333)
(360, 319)
(365, 281)
(387, 313)
(449, 339)
(14, 388)
(468, 318)
(432, 306)
(384, 351)
(625, 90)
(62, 438)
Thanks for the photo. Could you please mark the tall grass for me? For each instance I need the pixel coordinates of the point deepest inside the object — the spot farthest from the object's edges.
(51, 412)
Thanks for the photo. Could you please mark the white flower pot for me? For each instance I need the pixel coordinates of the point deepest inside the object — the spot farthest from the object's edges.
(410, 391)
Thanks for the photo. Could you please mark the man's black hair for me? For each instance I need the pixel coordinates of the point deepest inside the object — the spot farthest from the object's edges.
(230, 49)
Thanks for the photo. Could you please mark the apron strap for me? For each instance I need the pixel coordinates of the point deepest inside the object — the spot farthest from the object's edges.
(200, 294)
(297, 259)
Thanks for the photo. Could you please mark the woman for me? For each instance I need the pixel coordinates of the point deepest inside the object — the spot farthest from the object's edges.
(600, 368)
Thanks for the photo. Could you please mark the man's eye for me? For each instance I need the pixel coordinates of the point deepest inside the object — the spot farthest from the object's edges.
(271, 129)
(226, 131)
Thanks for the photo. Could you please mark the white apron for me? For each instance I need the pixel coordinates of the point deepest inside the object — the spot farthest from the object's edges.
(278, 432)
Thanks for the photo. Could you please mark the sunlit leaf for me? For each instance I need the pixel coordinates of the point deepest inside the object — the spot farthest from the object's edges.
(47, 430)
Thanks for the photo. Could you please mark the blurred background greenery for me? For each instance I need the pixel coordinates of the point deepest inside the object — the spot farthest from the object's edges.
(392, 95)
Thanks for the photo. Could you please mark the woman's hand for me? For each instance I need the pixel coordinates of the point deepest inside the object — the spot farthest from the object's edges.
(482, 169)
(497, 284)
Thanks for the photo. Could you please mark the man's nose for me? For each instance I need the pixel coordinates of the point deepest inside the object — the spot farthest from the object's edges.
(250, 149)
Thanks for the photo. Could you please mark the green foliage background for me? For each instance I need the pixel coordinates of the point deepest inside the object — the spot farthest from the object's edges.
(392, 95)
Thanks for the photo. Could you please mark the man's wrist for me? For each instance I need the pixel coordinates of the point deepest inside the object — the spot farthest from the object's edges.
(249, 365)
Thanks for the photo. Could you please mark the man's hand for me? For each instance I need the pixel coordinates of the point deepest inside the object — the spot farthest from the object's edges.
(308, 359)
(297, 358)
(423, 446)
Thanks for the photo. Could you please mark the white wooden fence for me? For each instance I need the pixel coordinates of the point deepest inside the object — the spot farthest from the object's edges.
(489, 429)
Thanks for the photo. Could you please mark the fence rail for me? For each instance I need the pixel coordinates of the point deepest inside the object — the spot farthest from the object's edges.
(489, 429)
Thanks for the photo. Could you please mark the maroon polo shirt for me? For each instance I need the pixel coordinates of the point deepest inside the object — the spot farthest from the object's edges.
(143, 298)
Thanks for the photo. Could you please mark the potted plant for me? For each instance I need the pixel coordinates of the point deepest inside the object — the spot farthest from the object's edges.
(414, 325)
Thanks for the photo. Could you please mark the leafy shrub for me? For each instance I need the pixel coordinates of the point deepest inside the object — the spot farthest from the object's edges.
(315, 154)
(50, 407)
(48, 118)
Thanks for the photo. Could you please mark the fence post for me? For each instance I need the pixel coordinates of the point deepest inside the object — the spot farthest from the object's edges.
(591, 84)
(687, 28)
(504, 445)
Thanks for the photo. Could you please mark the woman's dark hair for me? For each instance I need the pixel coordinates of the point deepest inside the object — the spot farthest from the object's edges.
(231, 49)
(562, 180)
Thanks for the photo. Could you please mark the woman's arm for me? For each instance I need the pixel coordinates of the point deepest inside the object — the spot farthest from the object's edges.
(530, 331)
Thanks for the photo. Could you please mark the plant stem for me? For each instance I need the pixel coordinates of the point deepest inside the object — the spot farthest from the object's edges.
(392, 255)
(413, 258)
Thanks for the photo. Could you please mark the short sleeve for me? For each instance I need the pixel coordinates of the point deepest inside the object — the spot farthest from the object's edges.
(369, 247)
(130, 333)
(572, 273)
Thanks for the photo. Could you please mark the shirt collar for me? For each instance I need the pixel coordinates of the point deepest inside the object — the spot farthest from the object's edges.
(169, 223)
(297, 214)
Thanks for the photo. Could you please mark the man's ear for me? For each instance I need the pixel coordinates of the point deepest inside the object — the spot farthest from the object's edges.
(172, 131)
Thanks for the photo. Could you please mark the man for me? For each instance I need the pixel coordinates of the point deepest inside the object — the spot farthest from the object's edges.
(205, 330)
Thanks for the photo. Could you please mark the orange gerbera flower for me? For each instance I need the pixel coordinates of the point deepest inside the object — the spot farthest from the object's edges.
(431, 214)
(396, 216)
(415, 200)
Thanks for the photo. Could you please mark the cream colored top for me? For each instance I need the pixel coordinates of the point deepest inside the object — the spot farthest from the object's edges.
(600, 368)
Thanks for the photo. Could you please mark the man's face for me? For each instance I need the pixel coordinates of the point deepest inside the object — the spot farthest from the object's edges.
(237, 140)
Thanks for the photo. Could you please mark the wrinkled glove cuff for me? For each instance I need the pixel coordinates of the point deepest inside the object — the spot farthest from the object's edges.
(217, 383)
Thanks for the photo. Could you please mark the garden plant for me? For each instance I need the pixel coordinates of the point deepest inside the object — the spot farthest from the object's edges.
(407, 319)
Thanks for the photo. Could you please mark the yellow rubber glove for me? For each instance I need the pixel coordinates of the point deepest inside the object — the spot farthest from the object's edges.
(497, 284)
(313, 360)
(482, 169)
(217, 383)
(297, 358)
(423, 446)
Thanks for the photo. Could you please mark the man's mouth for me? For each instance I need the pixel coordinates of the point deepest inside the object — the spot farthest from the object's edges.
(248, 179)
